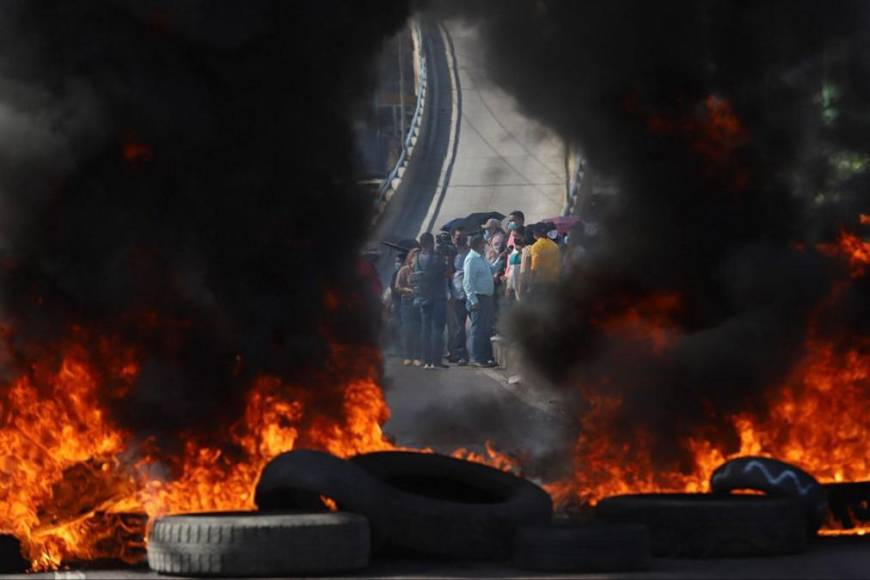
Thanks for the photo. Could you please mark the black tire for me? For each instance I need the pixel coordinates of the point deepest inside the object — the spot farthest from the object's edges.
(775, 478)
(583, 547)
(706, 525)
(297, 480)
(11, 560)
(452, 508)
(250, 544)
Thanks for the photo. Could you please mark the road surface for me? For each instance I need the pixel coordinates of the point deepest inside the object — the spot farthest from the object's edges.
(840, 558)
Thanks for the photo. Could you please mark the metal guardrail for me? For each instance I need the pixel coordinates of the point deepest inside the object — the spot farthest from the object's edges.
(394, 177)
(575, 185)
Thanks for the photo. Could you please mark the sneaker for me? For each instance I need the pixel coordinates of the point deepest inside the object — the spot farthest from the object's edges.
(406, 362)
(480, 365)
(441, 366)
(428, 367)
(418, 363)
(462, 363)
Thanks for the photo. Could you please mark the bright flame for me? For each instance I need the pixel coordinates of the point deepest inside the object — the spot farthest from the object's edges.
(491, 457)
(816, 421)
(70, 476)
(73, 482)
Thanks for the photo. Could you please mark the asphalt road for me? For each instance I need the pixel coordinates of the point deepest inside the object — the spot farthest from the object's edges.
(844, 558)
(406, 211)
(504, 159)
(464, 407)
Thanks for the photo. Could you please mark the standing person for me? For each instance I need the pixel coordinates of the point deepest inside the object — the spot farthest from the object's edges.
(514, 262)
(495, 241)
(458, 351)
(429, 280)
(479, 287)
(522, 282)
(410, 312)
(496, 257)
(445, 250)
(516, 220)
(545, 260)
(394, 303)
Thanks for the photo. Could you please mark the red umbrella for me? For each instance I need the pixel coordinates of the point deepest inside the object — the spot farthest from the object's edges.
(563, 223)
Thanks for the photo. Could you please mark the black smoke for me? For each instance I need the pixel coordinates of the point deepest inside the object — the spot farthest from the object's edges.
(731, 232)
(177, 178)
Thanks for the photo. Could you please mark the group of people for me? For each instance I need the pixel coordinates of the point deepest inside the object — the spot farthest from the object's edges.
(461, 276)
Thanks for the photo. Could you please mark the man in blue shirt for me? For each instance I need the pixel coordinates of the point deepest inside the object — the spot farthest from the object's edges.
(478, 285)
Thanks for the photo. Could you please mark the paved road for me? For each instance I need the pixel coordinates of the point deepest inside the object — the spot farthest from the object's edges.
(832, 558)
(463, 407)
(504, 160)
(407, 209)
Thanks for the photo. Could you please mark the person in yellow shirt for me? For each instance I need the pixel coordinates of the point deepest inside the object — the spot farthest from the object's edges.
(544, 260)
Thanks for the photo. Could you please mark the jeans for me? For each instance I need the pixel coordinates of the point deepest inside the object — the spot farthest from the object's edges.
(411, 347)
(481, 329)
(433, 317)
(457, 344)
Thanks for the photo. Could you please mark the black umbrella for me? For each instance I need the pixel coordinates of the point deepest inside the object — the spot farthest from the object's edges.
(472, 221)
(402, 244)
(455, 222)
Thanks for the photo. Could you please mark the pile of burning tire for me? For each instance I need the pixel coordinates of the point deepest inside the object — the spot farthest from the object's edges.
(416, 505)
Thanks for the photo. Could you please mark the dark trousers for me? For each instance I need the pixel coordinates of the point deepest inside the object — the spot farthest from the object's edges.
(481, 330)
(433, 317)
(458, 339)
(410, 329)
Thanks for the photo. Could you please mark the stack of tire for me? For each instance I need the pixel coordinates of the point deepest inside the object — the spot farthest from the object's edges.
(415, 505)
(779, 521)
(395, 503)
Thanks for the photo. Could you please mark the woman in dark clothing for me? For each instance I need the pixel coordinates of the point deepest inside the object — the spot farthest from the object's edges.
(410, 312)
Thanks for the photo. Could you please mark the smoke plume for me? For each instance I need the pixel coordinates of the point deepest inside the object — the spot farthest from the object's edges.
(737, 135)
(177, 179)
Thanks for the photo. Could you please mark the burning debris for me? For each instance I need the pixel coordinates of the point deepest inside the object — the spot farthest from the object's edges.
(726, 312)
(169, 318)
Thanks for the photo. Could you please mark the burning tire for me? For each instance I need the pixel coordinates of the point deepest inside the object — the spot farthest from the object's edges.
(583, 547)
(705, 525)
(775, 478)
(250, 544)
(448, 507)
(299, 479)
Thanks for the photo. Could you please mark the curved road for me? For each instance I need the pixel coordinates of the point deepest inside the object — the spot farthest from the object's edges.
(504, 160)
(407, 209)
(475, 153)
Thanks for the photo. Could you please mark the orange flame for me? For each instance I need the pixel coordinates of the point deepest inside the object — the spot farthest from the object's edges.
(70, 475)
(713, 131)
(648, 319)
(855, 250)
(491, 456)
(815, 421)
(73, 481)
